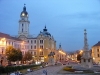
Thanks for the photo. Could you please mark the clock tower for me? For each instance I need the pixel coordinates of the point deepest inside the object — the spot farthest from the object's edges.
(23, 31)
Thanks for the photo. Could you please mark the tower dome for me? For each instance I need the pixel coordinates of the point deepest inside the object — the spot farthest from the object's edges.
(24, 13)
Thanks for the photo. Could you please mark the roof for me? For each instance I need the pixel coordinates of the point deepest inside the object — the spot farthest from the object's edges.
(45, 32)
(3, 35)
(97, 44)
(24, 11)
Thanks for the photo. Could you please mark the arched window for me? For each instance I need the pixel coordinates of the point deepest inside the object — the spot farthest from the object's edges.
(22, 30)
(22, 24)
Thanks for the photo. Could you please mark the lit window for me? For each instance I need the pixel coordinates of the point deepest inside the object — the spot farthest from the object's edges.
(41, 53)
(41, 46)
(41, 41)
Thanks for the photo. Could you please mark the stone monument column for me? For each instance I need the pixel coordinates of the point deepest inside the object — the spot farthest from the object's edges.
(86, 59)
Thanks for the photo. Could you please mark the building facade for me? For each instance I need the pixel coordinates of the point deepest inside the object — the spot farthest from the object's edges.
(61, 54)
(7, 40)
(96, 53)
(39, 46)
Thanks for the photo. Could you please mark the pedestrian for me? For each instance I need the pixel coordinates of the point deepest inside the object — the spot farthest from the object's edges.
(46, 72)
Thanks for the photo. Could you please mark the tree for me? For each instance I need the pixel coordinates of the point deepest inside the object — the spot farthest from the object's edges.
(27, 56)
(79, 57)
(13, 54)
(19, 53)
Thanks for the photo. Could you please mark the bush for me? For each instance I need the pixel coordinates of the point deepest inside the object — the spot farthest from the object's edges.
(9, 69)
(68, 68)
(88, 71)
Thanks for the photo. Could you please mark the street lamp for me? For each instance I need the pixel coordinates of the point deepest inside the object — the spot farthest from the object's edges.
(40, 50)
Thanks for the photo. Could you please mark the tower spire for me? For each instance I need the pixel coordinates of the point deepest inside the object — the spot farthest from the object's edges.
(60, 45)
(24, 4)
(85, 40)
(24, 8)
(45, 28)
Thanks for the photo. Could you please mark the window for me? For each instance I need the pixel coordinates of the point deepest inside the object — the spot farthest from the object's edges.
(9, 42)
(2, 51)
(41, 46)
(31, 47)
(97, 50)
(22, 30)
(35, 41)
(31, 52)
(28, 41)
(22, 25)
(41, 53)
(84, 60)
(12, 43)
(88, 60)
(27, 47)
(35, 47)
(31, 41)
(34, 53)
(41, 41)
(98, 55)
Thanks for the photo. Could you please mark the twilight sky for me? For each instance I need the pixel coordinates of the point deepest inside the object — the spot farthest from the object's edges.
(65, 20)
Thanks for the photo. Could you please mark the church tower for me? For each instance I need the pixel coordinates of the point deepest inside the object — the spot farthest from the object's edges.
(23, 31)
(86, 59)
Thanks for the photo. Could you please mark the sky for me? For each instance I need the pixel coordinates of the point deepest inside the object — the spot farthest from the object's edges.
(64, 19)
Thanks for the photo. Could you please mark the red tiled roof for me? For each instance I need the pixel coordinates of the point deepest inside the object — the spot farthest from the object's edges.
(3, 35)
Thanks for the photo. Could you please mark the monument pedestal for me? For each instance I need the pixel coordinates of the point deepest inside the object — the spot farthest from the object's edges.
(51, 58)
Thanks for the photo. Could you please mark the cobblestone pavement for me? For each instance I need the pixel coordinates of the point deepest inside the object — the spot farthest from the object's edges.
(51, 70)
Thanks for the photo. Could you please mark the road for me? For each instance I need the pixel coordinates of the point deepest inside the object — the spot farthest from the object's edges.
(51, 70)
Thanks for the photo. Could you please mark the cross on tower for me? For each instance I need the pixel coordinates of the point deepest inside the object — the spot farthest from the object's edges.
(24, 4)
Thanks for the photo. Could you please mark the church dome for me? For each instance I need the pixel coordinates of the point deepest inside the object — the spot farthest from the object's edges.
(24, 12)
(45, 32)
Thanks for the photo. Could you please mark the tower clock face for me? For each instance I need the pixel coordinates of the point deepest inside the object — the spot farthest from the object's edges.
(23, 14)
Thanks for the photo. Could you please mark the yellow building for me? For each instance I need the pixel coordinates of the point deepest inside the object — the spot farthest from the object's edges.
(61, 54)
(39, 46)
(42, 45)
(96, 53)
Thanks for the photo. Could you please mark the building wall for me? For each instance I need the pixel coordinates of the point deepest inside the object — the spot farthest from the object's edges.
(5, 42)
(96, 54)
(48, 46)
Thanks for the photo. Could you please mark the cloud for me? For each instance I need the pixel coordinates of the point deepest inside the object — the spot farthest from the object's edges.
(93, 15)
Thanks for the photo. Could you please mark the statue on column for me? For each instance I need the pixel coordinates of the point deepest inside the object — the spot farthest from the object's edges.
(51, 58)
